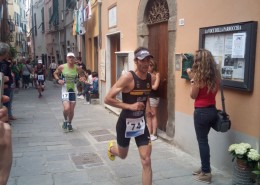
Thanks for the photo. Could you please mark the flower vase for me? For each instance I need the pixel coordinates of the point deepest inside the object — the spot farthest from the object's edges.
(241, 173)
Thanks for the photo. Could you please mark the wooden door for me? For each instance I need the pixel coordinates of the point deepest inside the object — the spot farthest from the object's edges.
(114, 47)
(158, 46)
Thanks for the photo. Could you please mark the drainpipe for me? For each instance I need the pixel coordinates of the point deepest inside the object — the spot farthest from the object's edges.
(3, 22)
(33, 31)
(99, 24)
(65, 43)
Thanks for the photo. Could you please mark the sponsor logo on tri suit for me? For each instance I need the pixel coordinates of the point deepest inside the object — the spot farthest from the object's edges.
(141, 99)
(148, 85)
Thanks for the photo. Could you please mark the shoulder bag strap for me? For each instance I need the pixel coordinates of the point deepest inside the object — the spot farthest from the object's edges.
(222, 97)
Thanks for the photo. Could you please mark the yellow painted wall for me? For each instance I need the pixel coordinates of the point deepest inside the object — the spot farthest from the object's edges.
(91, 32)
(243, 107)
(126, 22)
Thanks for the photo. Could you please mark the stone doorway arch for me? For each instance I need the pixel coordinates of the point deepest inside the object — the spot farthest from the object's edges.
(143, 38)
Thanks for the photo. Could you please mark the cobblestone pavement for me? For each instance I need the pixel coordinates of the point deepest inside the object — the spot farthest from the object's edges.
(43, 154)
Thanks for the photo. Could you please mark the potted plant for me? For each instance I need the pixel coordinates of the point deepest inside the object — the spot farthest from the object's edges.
(245, 154)
(246, 160)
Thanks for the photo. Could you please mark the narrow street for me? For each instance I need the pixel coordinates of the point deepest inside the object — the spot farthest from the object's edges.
(43, 154)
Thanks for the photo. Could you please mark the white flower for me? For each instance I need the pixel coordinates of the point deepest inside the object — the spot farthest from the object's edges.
(240, 150)
(244, 151)
(232, 147)
(253, 155)
(245, 145)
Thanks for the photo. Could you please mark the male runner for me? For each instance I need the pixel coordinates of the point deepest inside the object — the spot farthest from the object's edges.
(40, 75)
(69, 73)
(135, 87)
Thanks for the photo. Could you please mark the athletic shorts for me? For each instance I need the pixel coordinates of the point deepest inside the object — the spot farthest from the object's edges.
(40, 82)
(154, 102)
(72, 95)
(124, 142)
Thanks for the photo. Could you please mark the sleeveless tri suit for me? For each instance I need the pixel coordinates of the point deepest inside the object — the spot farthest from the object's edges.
(70, 77)
(133, 123)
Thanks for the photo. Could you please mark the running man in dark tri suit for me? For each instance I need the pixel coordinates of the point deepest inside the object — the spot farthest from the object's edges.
(135, 87)
(40, 75)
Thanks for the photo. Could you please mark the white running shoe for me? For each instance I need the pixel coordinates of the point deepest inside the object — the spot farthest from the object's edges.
(81, 97)
(153, 137)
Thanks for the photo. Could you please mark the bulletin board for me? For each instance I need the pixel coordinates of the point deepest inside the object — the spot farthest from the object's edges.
(233, 47)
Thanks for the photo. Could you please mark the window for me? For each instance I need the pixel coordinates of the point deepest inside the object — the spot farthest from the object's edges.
(18, 19)
(35, 24)
(15, 18)
(49, 11)
(42, 19)
(112, 17)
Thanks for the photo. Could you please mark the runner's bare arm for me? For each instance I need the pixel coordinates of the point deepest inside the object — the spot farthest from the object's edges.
(156, 81)
(124, 84)
(57, 72)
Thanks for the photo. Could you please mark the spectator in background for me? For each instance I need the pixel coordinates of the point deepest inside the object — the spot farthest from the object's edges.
(53, 66)
(26, 72)
(16, 71)
(20, 66)
(93, 91)
(11, 94)
(6, 70)
(80, 85)
(205, 79)
(154, 99)
(87, 86)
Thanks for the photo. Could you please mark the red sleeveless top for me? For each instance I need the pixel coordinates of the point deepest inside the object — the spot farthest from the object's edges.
(205, 98)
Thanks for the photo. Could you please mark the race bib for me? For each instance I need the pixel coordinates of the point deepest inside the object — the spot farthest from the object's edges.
(65, 96)
(134, 127)
(40, 77)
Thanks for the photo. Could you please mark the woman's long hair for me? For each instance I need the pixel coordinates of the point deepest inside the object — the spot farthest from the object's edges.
(205, 70)
(152, 61)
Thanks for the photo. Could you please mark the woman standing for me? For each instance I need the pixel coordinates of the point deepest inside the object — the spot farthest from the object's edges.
(205, 79)
(154, 99)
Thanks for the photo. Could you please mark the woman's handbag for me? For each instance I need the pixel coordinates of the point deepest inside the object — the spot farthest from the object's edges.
(223, 122)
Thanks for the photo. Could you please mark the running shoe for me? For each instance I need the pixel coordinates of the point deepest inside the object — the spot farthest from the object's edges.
(81, 97)
(65, 125)
(110, 155)
(153, 137)
(70, 129)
